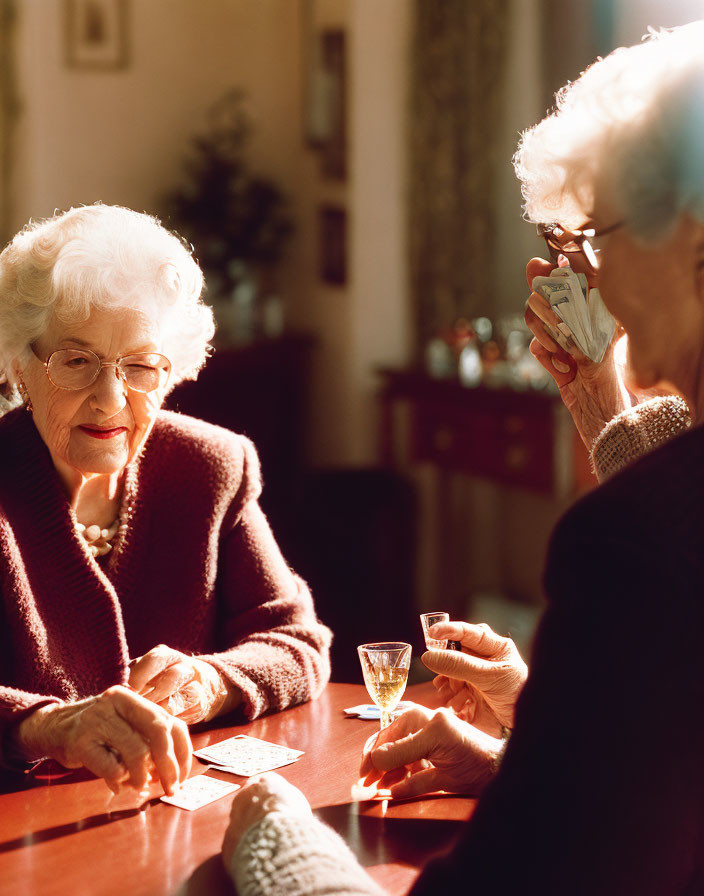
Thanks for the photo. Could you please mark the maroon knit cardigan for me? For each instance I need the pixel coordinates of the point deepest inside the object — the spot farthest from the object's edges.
(195, 566)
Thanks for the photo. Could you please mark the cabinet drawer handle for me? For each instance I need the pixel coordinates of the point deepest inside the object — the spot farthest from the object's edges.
(516, 457)
(514, 424)
(442, 439)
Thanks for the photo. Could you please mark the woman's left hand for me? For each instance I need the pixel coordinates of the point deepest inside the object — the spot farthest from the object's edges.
(258, 797)
(425, 750)
(184, 686)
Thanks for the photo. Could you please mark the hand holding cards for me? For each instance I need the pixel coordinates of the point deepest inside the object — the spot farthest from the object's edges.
(581, 308)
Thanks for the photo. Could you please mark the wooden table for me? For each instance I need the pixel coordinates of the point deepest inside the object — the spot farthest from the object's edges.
(70, 838)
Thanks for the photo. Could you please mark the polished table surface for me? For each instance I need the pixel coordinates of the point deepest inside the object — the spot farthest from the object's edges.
(69, 837)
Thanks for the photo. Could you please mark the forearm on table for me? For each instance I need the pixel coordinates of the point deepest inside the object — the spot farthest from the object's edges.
(25, 740)
(293, 855)
(281, 652)
(224, 696)
(275, 669)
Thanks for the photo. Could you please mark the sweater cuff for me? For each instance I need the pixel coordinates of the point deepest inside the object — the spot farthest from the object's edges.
(636, 431)
(10, 759)
(287, 854)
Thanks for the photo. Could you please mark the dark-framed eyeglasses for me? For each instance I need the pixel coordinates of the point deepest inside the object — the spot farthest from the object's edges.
(575, 245)
(74, 368)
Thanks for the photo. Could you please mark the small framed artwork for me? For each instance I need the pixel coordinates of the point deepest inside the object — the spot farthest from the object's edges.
(333, 245)
(334, 153)
(96, 33)
(326, 101)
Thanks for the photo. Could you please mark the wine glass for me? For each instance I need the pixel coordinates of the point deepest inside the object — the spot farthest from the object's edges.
(385, 668)
(428, 619)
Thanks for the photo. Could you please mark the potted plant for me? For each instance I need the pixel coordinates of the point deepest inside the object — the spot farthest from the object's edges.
(237, 220)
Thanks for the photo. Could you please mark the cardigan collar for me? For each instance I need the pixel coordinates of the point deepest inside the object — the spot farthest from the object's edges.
(58, 564)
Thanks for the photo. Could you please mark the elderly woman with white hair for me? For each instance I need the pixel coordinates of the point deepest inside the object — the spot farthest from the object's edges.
(601, 787)
(141, 589)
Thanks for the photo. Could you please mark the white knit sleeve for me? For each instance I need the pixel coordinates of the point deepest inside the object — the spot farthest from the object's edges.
(635, 432)
(287, 854)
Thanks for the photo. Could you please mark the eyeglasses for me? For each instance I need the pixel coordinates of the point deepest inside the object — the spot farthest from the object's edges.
(73, 369)
(575, 245)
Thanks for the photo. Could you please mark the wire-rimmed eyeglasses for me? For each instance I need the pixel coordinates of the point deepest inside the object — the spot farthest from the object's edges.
(74, 368)
(575, 245)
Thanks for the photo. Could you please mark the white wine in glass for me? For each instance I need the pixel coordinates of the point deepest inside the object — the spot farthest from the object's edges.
(385, 668)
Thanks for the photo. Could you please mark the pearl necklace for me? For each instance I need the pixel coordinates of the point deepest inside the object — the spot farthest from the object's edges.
(98, 541)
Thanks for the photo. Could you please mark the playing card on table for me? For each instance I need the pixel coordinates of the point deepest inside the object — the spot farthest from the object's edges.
(199, 791)
(246, 756)
(581, 308)
(369, 711)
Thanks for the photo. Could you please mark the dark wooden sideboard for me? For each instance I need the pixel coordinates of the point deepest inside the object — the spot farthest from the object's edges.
(494, 469)
(518, 439)
(261, 390)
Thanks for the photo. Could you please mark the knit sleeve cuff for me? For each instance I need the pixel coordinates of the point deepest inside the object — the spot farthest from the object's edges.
(279, 667)
(10, 758)
(291, 854)
(636, 431)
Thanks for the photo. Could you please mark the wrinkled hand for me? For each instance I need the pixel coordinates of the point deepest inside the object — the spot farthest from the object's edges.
(259, 796)
(184, 686)
(118, 736)
(425, 750)
(482, 683)
(593, 393)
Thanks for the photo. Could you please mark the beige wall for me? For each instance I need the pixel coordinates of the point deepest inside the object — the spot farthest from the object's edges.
(632, 17)
(120, 137)
(365, 324)
(381, 325)
(524, 105)
(324, 310)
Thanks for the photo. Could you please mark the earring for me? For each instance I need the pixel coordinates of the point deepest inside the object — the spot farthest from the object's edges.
(24, 395)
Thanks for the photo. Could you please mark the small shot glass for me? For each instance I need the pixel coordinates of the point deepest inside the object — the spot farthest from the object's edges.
(429, 619)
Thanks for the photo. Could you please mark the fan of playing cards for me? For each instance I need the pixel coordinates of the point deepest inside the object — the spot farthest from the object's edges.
(581, 308)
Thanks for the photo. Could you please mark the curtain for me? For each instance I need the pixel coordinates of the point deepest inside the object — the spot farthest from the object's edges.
(457, 64)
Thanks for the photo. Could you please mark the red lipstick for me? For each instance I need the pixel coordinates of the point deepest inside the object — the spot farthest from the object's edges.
(103, 433)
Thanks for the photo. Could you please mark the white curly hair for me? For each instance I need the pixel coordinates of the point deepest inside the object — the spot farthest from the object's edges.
(102, 257)
(631, 129)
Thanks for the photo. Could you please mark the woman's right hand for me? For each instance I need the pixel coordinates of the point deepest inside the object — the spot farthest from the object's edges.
(118, 736)
(593, 393)
(254, 801)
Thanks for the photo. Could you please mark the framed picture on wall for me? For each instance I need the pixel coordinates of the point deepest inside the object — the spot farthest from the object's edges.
(334, 150)
(333, 244)
(96, 33)
(326, 101)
